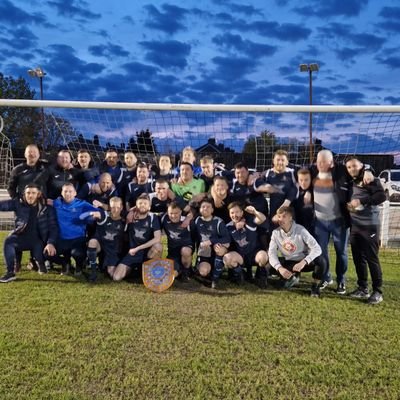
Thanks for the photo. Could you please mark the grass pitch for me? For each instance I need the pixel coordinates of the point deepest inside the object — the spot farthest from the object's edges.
(63, 338)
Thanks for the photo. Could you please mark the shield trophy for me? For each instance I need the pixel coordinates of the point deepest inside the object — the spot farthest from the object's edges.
(158, 274)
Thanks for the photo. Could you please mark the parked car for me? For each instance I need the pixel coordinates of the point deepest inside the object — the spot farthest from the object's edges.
(390, 179)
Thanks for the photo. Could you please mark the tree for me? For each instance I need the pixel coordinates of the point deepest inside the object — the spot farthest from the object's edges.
(21, 124)
(265, 142)
(145, 142)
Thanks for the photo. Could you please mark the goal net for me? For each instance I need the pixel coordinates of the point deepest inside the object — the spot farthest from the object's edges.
(230, 133)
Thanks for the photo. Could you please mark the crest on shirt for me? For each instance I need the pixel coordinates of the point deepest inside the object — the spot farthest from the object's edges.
(158, 274)
(289, 246)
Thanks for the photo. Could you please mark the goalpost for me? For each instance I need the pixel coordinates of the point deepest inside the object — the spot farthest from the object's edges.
(229, 133)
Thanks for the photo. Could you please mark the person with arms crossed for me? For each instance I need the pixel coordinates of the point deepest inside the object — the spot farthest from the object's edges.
(364, 232)
(35, 230)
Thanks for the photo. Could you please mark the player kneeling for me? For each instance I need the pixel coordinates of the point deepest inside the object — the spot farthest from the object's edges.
(212, 243)
(179, 238)
(300, 252)
(144, 239)
(108, 239)
(246, 246)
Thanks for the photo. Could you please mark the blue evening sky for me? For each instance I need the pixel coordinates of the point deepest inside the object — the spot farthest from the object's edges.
(205, 51)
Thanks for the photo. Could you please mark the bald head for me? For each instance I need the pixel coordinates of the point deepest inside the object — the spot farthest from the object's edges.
(324, 160)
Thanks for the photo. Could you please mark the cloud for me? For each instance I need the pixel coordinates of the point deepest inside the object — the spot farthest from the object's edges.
(392, 19)
(140, 72)
(332, 8)
(348, 53)
(348, 97)
(247, 10)
(230, 41)
(392, 100)
(108, 50)
(167, 54)
(233, 68)
(73, 9)
(271, 29)
(62, 61)
(366, 41)
(21, 38)
(390, 13)
(15, 16)
(392, 62)
(169, 20)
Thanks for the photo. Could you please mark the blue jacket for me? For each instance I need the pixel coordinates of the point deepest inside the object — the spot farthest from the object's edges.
(46, 219)
(71, 227)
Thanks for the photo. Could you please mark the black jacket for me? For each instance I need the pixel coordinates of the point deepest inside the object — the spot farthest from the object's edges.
(23, 174)
(46, 219)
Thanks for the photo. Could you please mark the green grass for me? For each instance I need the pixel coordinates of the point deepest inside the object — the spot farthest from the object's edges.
(62, 338)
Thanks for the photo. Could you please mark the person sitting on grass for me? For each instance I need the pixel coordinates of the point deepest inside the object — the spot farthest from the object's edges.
(72, 238)
(179, 239)
(246, 250)
(300, 252)
(35, 230)
(108, 238)
(144, 239)
(364, 231)
(213, 241)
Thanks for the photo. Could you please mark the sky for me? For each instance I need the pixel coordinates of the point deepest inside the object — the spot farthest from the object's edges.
(206, 51)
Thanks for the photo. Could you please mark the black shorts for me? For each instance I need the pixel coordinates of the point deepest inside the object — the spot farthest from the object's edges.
(249, 259)
(139, 258)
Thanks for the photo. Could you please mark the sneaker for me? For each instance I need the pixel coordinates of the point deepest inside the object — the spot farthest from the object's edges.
(360, 293)
(325, 284)
(184, 277)
(48, 265)
(341, 288)
(65, 269)
(292, 281)
(213, 284)
(315, 290)
(8, 277)
(42, 269)
(92, 277)
(261, 282)
(78, 271)
(17, 267)
(375, 298)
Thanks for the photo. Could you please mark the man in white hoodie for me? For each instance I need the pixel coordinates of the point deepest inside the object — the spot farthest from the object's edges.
(299, 251)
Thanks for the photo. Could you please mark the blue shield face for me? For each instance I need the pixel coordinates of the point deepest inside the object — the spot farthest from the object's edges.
(158, 274)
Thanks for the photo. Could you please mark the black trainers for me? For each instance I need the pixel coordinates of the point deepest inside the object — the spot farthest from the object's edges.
(261, 282)
(8, 277)
(65, 269)
(375, 298)
(315, 290)
(42, 269)
(341, 288)
(359, 293)
(92, 277)
(324, 284)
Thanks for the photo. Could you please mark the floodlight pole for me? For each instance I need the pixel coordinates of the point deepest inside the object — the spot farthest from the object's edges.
(310, 68)
(310, 122)
(39, 73)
